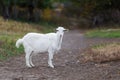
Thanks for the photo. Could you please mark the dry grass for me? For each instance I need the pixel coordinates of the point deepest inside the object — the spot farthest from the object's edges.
(16, 27)
(103, 53)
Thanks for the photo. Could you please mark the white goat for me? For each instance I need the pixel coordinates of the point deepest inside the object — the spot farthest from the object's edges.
(35, 43)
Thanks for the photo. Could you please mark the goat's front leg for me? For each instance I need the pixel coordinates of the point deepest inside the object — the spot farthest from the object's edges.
(31, 63)
(50, 53)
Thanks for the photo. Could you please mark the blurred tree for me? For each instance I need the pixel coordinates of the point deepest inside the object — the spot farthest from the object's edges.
(73, 8)
(99, 11)
(31, 6)
(5, 8)
(42, 4)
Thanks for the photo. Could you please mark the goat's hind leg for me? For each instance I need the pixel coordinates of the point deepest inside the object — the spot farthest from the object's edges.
(28, 57)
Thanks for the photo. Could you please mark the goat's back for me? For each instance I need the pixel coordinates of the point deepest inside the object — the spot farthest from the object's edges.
(38, 42)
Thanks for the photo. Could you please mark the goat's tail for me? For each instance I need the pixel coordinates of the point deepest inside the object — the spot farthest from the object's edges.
(19, 42)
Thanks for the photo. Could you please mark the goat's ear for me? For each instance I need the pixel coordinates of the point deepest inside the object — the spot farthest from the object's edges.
(55, 30)
(66, 30)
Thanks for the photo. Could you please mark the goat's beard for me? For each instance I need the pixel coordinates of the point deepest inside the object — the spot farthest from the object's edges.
(59, 42)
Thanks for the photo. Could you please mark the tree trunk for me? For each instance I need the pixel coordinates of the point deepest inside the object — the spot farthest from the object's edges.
(15, 12)
(31, 7)
(5, 12)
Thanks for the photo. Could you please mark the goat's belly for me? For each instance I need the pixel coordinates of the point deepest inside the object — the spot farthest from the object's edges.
(39, 50)
(38, 44)
(41, 47)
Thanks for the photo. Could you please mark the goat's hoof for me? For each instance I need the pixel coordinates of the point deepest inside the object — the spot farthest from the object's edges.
(32, 65)
(29, 66)
(51, 66)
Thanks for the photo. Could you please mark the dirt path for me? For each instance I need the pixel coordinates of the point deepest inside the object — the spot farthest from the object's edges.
(67, 64)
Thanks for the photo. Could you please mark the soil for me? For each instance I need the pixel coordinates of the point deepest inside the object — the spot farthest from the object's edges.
(69, 64)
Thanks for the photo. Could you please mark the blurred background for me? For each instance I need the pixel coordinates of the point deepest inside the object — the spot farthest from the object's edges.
(69, 13)
(91, 47)
(97, 18)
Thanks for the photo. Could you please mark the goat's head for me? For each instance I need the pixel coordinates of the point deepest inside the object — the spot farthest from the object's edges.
(61, 30)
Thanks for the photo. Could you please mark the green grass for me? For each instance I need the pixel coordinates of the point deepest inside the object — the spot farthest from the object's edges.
(104, 33)
(103, 45)
(11, 30)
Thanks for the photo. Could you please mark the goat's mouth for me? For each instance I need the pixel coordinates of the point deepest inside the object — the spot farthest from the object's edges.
(59, 41)
(60, 36)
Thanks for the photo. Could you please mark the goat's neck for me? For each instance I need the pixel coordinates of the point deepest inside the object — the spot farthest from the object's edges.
(59, 40)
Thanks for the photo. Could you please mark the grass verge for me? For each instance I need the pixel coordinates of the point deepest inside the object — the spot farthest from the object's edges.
(103, 53)
(11, 30)
(104, 33)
